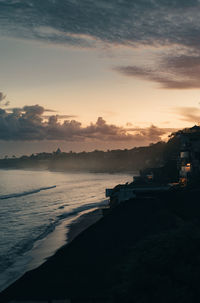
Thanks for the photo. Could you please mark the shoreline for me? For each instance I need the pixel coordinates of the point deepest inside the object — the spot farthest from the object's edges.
(126, 256)
(25, 262)
(114, 172)
(64, 233)
(82, 222)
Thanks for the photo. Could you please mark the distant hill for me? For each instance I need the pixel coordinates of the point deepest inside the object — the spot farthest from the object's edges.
(160, 154)
(96, 161)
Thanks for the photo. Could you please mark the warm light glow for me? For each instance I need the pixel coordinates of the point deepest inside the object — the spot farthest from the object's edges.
(183, 181)
(186, 168)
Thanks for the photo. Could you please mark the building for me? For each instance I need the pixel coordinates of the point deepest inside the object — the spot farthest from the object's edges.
(189, 158)
(58, 152)
(140, 187)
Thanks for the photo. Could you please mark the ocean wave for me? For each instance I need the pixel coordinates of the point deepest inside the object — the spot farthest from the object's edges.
(25, 193)
(27, 244)
(82, 208)
(52, 225)
(63, 206)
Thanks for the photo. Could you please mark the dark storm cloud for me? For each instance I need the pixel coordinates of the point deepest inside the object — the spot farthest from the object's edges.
(85, 23)
(28, 124)
(114, 21)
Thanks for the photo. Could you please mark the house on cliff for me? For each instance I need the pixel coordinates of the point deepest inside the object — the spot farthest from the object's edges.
(189, 157)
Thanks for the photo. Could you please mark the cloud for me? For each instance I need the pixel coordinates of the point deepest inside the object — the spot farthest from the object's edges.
(153, 132)
(90, 23)
(3, 101)
(2, 96)
(60, 116)
(7, 103)
(84, 22)
(189, 114)
(28, 124)
(173, 72)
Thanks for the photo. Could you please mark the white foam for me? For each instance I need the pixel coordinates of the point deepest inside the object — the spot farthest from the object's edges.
(25, 193)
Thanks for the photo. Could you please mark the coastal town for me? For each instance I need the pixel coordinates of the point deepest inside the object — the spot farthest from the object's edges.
(152, 181)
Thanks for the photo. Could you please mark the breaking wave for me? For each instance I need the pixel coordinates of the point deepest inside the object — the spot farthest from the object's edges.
(25, 193)
(82, 208)
(32, 231)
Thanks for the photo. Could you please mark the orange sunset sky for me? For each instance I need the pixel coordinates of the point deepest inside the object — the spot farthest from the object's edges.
(87, 75)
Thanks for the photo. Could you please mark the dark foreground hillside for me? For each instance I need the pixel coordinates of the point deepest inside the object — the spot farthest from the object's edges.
(145, 250)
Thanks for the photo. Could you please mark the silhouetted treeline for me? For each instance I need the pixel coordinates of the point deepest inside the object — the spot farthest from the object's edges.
(154, 155)
(134, 159)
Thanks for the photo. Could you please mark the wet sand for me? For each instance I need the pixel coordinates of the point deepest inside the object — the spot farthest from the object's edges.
(83, 222)
(145, 250)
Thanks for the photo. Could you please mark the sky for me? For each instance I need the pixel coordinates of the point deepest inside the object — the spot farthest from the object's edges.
(96, 74)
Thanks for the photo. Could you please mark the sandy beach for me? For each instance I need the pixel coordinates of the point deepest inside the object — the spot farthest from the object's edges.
(133, 254)
(83, 222)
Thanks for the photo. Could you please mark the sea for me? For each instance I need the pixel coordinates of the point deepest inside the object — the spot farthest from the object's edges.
(36, 210)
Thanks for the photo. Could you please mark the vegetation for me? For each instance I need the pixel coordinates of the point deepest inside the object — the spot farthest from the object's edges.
(134, 159)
